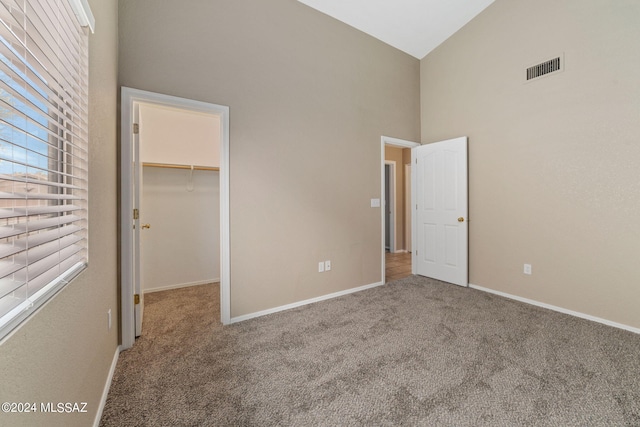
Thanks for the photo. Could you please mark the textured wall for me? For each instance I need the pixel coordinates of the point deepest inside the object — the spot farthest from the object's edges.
(309, 98)
(553, 163)
(64, 352)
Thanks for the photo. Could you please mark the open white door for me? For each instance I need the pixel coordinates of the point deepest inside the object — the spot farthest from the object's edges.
(132, 301)
(136, 191)
(439, 174)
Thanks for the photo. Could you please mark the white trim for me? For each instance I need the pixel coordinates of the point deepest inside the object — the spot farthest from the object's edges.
(392, 196)
(23, 311)
(128, 99)
(302, 303)
(225, 245)
(397, 142)
(558, 309)
(83, 12)
(107, 386)
(394, 142)
(127, 320)
(407, 209)
(180, 285)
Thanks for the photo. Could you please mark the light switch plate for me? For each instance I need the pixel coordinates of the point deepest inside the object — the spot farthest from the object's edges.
(375, 203)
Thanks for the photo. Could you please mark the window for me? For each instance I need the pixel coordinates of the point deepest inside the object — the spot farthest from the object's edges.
(43, 152)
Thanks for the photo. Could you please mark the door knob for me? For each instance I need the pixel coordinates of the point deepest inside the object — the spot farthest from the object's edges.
(461, 219)
(146, 226)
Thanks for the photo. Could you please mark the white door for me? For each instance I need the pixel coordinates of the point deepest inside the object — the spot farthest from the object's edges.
(440, 198)
(131, 299)
(136, 191)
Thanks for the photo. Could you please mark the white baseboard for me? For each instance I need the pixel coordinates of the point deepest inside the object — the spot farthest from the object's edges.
(558, 309)
(107, 386)
(301, 303)
(180, 285)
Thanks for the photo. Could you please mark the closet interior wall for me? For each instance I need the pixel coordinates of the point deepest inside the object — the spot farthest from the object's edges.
(181, 205)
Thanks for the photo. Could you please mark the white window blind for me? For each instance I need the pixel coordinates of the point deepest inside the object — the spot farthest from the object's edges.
(43, 153)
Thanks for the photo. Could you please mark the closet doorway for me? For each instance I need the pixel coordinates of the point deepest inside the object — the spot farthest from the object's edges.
(175, 200)
(179, 198)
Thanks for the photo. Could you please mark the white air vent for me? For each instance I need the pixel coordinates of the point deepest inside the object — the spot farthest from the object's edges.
(547, 67)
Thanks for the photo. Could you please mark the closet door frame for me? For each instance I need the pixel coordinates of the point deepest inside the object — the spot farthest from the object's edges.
(129, 99)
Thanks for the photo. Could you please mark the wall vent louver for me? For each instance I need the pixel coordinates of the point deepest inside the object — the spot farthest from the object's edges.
(545, 68)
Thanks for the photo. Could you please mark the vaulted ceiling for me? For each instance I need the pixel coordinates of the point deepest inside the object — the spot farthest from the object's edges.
(413, 26)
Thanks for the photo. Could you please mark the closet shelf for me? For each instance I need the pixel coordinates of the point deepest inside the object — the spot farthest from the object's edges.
(170, 166)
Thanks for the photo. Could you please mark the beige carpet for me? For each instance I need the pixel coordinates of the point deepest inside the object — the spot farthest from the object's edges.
(414, 352)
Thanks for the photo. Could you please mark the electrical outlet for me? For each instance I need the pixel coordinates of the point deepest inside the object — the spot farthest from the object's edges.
(321, 267)
(109, 319)
(327, 265)
(527, 269)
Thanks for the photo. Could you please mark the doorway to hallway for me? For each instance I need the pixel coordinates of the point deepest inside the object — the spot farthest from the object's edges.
(396, 213)
(397, 266)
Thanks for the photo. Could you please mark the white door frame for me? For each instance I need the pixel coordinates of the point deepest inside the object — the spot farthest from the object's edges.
(392, 205)
(393, 142)
(408, 226)
(129, 98)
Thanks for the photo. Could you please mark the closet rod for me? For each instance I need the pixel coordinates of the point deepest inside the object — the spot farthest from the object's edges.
(169, 166)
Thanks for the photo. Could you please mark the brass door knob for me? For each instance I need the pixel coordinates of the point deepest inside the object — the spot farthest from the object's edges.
(461, 219)
(146, 226)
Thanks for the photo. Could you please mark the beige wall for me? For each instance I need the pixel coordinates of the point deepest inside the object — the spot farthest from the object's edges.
(553, 163)
(173, 136)
(309, 100)
(176, 251)
(64, 352)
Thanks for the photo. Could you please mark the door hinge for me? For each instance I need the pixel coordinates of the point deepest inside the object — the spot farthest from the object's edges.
(416, 252)
(136, 299)
(416, 206)
(136, 128)
(136, 214)
(416, 161)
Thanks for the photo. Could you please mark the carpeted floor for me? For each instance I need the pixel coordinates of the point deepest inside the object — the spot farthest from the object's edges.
(413, 352)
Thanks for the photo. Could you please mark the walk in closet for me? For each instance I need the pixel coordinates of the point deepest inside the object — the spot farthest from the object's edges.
(180, 198)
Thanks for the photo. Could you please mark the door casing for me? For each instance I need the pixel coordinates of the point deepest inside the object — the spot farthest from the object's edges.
(390, 205)
(407, 209)
(130, 97)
